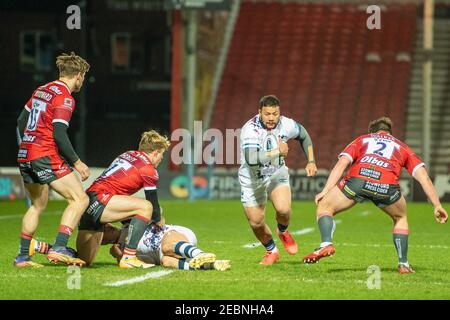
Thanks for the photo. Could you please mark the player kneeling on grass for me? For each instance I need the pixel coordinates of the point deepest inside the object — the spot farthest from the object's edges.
(110, 200)
(170, 246)
(376, 161)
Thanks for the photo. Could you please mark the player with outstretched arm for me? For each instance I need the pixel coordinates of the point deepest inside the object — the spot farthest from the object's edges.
(376, 160)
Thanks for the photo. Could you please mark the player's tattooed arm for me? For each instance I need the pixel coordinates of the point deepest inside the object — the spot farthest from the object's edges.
(306, 143)
(63, 143)
(22, 121)
(152, 196)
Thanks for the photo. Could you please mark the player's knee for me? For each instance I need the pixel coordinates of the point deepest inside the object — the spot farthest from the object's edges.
(398, 217)
(257, 223)
(283, 211)
(40, 205)
(324, 208)
(165, 261)
(167, 247)
(84, 201)
(146, 209)
(80, 199)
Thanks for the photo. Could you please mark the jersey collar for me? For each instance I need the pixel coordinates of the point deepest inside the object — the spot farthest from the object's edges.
(63, 84)
(146, 156)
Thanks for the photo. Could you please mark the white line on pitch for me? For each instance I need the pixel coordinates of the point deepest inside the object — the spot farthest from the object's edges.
(295, 233)
(16, 216)
(302, 231)
(379, 245)
(150, 275)
(251, 245)
(365, 213)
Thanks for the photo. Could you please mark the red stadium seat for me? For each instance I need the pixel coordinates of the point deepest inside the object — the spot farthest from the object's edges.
(314, 58)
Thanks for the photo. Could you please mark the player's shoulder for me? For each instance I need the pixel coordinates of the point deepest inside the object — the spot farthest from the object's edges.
(62, 96)
(253, 123)
(403, 146)
(143, 163)
(364, 136)
(252, 126)
(358, 141)
(289, 123)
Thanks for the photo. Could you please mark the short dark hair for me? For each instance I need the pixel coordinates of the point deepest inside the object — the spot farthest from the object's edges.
(268, 101)
(383, 123)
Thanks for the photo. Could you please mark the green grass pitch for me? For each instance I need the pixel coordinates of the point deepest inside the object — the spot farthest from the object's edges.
(362, 238)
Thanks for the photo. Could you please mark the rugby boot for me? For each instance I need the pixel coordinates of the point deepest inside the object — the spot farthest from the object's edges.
(319, 253)
(199, 260)
(25, 262)
(270, 257)
(64, 255)
(133, 262)
(288, 242)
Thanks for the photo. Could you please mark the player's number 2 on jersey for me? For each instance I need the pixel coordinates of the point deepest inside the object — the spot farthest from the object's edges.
(383, 148)
(35, 114)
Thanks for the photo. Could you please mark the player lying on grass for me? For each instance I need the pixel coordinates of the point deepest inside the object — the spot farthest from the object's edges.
(170, 246)
(110, 200)
(376, 160)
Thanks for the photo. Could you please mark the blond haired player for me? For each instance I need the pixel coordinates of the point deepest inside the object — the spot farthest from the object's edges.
(43, 152)
(111, 200)
(263, 173)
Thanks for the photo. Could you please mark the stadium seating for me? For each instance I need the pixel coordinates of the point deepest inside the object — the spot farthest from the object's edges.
(331, 73)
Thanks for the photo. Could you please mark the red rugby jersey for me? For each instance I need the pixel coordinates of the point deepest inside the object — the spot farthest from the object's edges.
(49, 103)
(380, 157)
(126, 175)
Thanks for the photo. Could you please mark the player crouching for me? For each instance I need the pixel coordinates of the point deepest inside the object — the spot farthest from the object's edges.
(110, 200)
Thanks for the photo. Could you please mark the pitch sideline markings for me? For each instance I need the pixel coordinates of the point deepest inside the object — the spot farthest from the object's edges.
(376, 245)
(16, 216)
(150, 275)
(295, 233)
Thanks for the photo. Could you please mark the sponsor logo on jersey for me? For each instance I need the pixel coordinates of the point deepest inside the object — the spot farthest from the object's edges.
(91, 209)
(45, 175)
(55, 89)
(43, 95)
(22, 153)
(129, 158)
(28, 138)
(380, 188)
(374, 160)
(370, 173)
